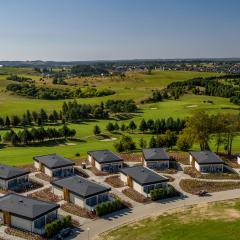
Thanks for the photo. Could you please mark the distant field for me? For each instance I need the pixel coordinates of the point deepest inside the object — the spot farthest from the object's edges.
(136, 85)
(206, 222)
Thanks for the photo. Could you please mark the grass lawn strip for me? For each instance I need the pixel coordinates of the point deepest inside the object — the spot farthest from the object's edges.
(202, 222)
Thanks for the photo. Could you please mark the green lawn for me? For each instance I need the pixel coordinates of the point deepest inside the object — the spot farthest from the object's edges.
(203, 223)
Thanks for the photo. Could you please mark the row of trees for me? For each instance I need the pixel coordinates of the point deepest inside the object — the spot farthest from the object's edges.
(222, 86)
(37, 135)
(71, 112)
(34, 91)
(201, 128)
(157, 126)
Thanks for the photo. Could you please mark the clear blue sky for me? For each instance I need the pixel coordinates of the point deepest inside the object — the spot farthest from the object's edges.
(118, 29)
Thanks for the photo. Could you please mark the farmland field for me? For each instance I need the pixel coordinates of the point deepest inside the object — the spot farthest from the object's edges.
(136, 86)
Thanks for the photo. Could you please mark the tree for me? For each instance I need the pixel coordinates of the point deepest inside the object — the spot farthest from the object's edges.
(1, 122)
(199, 126)
(116, 126)
(184, 142)
(110, 127)
(7, 122)
(43, 115)
(160, 141)
(150, 125)
(142, 143)
(96, 130)
(15, 120)
(126, 144)
(132, 125)
(143, 126)
(123, 127)
(25, 136)
(152, 142)
(170, 138)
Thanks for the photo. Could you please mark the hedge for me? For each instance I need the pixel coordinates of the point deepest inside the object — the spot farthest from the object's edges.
(54, 227)
(108, 207)
(162, 193)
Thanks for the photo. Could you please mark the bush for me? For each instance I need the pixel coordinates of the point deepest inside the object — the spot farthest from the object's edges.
(162, 193)
(108, 207)
(54, 227)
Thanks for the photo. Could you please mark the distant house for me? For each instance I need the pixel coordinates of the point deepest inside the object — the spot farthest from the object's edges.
(142, 179)
(80, 191)
(27, 213)
(105, 160)
(206, 161)
(12, 177)
(155, 158)
(54, 165)
(238, 159)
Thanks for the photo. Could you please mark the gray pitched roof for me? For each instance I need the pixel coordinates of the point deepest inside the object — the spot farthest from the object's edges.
(53, 161)
(154, 154)
(143, 175)
(8, 172)
(104, 156)
(206, 157)
(25, 207)
(80, 186)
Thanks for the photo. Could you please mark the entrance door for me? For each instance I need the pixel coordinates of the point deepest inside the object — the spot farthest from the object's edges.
(7, 218)
(66, 194)
(129, 181)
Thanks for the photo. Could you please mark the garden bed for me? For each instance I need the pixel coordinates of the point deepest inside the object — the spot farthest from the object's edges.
(135, 196)
(114, 181)
(167, 170)
(80, 172)
(78, 211)
(171, 179)
(44, 177)
(191, 171)
(96, 172)
(181, 157)
(32, 186)
(29, 167)
(46, 194)
(131, 157)
(193, 186)
(23, 234)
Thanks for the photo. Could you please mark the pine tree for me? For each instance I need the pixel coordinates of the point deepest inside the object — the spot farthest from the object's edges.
(143, 126)
(152, 142)
(132, 125)
(96, 130)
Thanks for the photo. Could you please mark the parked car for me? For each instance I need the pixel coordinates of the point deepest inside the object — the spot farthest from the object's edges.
(64, 233)
(202, 193)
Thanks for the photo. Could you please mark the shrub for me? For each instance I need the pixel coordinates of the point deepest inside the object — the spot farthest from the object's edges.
(162, 193)
(54, 227)
(108, 207)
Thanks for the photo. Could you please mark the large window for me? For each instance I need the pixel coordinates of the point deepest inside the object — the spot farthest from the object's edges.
(91, 201)
(39, 223)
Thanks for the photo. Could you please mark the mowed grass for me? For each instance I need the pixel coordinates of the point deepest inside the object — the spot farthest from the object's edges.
(136, 85)
(205, 222)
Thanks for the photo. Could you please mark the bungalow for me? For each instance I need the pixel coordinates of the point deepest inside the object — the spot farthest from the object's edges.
(155, 158)
(206, 161)
(27, 213)
(142, 179)
(54, 165)
(12, 177)
(80, 191)
(105, 160)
